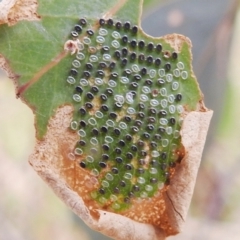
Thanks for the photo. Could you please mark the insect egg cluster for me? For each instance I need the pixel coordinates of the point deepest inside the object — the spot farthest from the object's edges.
(128, 101)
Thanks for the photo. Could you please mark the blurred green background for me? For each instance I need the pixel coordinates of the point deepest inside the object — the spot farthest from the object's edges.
(29, 210)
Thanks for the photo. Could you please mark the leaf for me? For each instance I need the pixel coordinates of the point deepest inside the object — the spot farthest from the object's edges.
(111, 105)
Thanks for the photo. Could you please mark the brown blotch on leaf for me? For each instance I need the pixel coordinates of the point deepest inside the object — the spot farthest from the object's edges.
(166, 211)
(167, 54)
(13, 11)
(71, 46)
(176, 41)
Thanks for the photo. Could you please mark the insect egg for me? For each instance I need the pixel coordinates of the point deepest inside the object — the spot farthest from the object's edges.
(109, 22)
(174, 55)
(124, 51)
(150, 46)
(94, 89)
(119, 159)
(102, 164)
(124, 39)
(141, 57)
(124, 62)
(143, 71)
(115, 170)
(113, 115)
(86, 74)
(128, 137)
(118, 25)
(90, 96)
(82, 143)
(133, 43)
(118, 151)
(82, 111)
(179, 97)
(89, 105)
(121, 143)
(104, 129)
(78, 28)
(105, 49)
(157, 62)
(134, 29)
(122, 183)
(79, 89)
(105, 147)
(101, 191)
(74, 72)
(90, 32)
(112, 65)
(83, 123)
(82, 164)
(105, 157)
(127, 25)
(136, 188)
(95, 131)
(133, 56)
(101, 22)
(167, 66)
(159, 47)
(149, 59)
(140, 143)
(141, 44)
(83, 21)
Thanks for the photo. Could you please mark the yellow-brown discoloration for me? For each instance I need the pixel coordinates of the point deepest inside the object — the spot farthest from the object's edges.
(13, 11)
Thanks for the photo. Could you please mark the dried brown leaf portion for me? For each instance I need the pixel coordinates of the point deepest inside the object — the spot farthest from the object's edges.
(179, 194)
(12, 11)
(50, 161)
(54, 162)
(176, 41)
